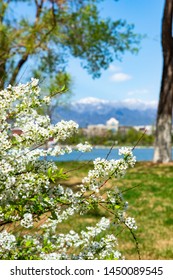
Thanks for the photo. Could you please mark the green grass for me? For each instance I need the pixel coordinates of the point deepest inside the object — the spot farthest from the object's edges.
(149, 190)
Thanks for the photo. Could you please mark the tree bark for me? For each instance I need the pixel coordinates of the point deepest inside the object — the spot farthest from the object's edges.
(2, 74)
(17, 69)
(163, 145)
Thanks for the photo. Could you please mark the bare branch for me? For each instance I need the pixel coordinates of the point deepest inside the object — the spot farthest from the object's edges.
(39, 9)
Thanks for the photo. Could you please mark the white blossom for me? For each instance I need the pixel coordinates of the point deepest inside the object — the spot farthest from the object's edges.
(84, 147)
(30, 185)
(7, 241)
(27, 220)
(131, 223)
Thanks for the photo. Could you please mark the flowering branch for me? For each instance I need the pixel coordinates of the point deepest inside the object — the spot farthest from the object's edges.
(30, 188)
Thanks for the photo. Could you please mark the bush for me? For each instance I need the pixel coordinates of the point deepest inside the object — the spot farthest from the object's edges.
(30, 187)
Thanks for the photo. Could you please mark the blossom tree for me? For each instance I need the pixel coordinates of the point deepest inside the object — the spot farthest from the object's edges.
(29, 186)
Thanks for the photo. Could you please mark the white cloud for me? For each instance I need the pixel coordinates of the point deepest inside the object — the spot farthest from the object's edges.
(89, 100)
(130, 103)
(120, 77)
(113, 68)
(138, 92)
(135, 103)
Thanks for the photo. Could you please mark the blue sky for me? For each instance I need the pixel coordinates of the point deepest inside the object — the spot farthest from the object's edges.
(137, 76)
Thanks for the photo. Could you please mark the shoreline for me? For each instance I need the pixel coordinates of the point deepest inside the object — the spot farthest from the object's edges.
(118, 147)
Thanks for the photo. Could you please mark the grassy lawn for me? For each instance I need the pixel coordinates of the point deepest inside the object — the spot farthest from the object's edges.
(150, 203)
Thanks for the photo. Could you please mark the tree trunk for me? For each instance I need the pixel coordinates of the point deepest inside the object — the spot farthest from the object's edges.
(18, 68)
(163, 145)
(2, 75)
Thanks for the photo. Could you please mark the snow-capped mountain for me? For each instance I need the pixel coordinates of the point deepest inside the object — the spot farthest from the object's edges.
(97, 111)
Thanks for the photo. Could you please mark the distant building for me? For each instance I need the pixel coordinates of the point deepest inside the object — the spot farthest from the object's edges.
(149, 129)
(123, 129)
(112, 124)
(101, 129)
(96, 130)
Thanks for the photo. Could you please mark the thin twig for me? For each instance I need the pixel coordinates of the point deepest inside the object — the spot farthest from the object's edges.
(21, 76)
(110, 150)
(131, 231)
(139, 139)
(128, 189)
(77, 168)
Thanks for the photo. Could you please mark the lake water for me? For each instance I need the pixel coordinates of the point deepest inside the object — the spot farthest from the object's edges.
(142, 154)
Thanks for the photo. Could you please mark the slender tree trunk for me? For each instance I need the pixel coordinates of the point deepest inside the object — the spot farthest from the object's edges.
(2, 75)
(163, 145)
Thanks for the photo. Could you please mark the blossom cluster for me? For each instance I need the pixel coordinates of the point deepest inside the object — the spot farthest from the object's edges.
(27, 220)
(130, 223)
(104, 169)
(31, 186)
(89, 248)
(7, 243)
(84, 147)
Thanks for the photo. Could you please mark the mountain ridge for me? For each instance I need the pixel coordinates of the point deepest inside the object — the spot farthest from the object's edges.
(94, 111)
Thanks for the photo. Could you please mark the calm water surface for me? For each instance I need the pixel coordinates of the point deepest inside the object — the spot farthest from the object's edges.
(142, 154)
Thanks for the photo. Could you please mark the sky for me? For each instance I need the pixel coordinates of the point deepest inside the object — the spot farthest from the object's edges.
(136, 76)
